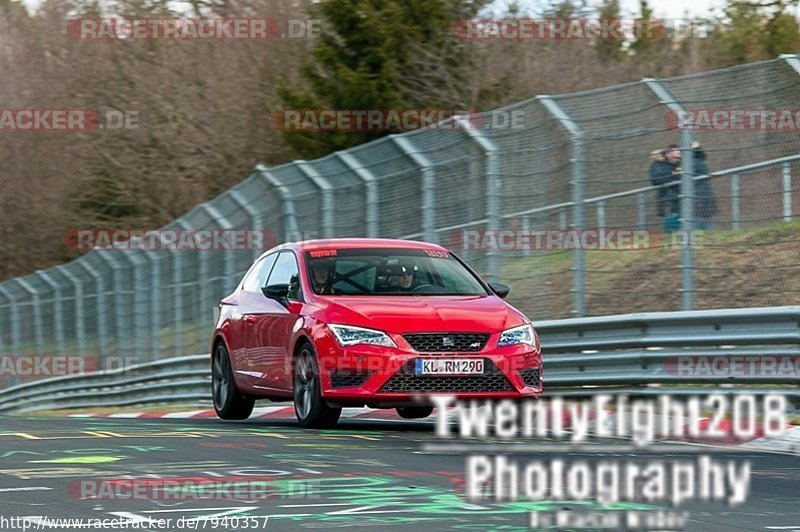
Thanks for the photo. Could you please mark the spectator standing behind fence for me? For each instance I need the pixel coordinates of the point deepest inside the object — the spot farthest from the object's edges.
(666, 170)
(705, 203)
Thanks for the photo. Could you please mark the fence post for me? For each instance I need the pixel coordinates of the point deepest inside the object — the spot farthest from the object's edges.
(641, 207)
(326, 191)
(562, 218)
(120, 325)
(99, 305)
(526, 230)
(177, 281)
(15, 333)
(371, 185)
(139, 296)
(578, 213)
(735, 215)
(289, 216)
(428, 186)
(687, 192)
(256, 219)
(787, 192)
(78, 303)
(38, 326)
(58, 316)
(8, 301)
(155, 304)
(687, 220)
(493, 186)
(226, 225)
(601, 214)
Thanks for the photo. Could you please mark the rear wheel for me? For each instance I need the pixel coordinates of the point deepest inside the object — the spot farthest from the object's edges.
(310, 408)
(228, 402)
(414, 412)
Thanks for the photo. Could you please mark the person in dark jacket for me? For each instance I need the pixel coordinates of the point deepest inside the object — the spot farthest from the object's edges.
(666, 170)
(705, 203)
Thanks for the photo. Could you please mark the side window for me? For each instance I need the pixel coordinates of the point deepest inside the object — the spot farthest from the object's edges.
(285, 272)
(257, 278)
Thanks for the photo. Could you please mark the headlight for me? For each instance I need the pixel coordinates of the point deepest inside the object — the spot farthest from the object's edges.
(347, 335)
(523, 334)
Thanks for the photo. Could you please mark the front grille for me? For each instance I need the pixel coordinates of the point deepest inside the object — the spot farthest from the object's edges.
(530, 377)
(405, 381)
(446, 343)
(343, 378)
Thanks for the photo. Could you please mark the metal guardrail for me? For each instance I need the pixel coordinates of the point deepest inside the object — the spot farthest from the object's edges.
(631, 353)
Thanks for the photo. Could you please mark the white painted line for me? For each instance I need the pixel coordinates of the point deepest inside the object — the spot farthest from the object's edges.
(183, 415)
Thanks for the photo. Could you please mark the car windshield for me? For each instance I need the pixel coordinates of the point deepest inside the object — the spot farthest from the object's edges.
(394, 272)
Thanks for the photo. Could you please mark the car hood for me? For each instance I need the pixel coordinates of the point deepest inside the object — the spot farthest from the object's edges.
(404, 314)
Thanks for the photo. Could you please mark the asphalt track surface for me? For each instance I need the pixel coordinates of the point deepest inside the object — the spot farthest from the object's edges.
(363, 474)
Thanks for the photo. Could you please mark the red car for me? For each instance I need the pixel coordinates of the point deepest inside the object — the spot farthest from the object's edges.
(376, 322)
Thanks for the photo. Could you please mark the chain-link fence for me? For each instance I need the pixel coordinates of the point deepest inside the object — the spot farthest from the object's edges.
(564, 165)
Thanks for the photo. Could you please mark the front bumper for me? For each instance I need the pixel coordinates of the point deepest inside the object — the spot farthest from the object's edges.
(380, 376)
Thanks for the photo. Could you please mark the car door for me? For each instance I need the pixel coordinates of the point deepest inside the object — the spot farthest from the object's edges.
(249, 305)
(273, 325)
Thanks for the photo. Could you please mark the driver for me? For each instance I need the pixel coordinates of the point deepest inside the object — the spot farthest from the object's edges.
(321, 277)
(406, 277)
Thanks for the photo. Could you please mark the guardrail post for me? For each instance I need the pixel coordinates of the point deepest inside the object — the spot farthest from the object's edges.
(577, 161)
(371, 185)
(562, 218)
(735, 215)
(326, 192)
(787, 192)
(687, 192)
(428, 186)
(58, 310)
(289, 216)
(80, 335)
(37, 313)
(493, 188)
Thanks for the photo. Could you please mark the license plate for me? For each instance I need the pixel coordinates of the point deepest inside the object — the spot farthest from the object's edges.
(449, 366)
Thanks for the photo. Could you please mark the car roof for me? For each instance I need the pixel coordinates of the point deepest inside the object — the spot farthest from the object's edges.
(355, 243)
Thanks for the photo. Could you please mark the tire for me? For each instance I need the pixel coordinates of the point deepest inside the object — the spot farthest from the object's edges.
(228, 402)
(414, 412)
(310, 408)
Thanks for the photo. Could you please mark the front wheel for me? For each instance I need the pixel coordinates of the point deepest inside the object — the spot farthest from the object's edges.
(414, 412)
(310, 408)
(228, 402)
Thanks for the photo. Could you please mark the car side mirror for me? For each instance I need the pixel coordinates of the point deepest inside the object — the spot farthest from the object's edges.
(500, 289)
(278, 292)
